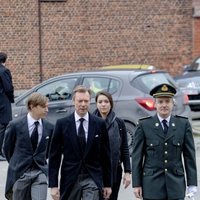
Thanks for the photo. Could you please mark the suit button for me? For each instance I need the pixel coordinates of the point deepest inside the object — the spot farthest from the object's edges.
(166, 161)
(165, 143)
(165, 152)
(165, 170)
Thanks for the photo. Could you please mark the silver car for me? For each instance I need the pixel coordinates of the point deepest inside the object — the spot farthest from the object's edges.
(189, 83)
(129, 88)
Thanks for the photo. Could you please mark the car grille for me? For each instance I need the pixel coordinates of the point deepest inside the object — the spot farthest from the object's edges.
(194, 97)
(196, 107)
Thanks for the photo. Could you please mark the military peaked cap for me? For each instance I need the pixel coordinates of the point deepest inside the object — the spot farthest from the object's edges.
(163, 90)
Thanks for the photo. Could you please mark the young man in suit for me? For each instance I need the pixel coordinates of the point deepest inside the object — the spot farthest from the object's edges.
(6, 98)
(160, 143)
(25, 146)
(81, 141)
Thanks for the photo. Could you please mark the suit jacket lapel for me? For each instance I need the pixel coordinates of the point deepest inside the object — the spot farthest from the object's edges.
(73, 134)
(91, 133)
(43, 138)
(25, 131)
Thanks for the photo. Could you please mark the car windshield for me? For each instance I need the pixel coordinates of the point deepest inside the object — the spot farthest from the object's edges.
(148, 81)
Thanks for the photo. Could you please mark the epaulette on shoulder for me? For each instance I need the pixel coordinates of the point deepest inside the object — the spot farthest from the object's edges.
(145, 118)
(181, 116)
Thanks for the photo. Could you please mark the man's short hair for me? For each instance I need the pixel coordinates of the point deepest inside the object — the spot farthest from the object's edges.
(36, 99)
(3, 57)
(81, 89)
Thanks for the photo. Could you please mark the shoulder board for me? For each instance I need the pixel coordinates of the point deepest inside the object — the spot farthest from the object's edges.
(145, 117)
(181, 116)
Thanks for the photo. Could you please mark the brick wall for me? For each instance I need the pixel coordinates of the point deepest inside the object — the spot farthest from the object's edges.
(196, 28)
(87, 34)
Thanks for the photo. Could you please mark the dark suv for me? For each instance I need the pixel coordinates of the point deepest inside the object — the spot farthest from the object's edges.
(129, 88)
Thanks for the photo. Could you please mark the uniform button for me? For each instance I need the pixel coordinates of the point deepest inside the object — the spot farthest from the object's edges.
(165, 152)
(144, 173)
(178, 144)
(165, 170)
(166, 161)
(165, 143)
(151, 145)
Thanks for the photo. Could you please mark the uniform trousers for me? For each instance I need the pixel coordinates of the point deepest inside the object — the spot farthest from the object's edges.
(84, 189)
(32, 185)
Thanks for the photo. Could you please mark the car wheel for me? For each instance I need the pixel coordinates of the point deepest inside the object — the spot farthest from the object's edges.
(130, 129)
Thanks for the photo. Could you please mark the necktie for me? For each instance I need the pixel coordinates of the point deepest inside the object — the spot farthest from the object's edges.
(164, 121)
(81, 135)
(34, 136)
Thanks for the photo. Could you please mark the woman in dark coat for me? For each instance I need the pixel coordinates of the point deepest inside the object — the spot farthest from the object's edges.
(118, 142)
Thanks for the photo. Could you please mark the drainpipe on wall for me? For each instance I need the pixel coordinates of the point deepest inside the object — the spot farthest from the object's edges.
(40, 41)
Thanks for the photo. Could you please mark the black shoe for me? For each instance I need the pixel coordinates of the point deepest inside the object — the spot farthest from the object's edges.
(2, 158)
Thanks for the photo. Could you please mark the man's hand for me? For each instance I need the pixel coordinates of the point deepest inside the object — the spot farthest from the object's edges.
(126, 180)
(55, 194)
(138, 192)
(107, 192)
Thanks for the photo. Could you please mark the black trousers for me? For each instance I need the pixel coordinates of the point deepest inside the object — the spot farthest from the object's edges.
(116, 184)
(2, 133)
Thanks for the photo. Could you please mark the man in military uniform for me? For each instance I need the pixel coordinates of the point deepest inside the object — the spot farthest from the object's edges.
(158, 170)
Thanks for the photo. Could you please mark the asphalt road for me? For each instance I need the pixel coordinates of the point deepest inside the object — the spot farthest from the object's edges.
(125, 194)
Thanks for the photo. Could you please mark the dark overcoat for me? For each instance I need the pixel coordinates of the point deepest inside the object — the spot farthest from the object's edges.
(96, 158)
(19, 152)
(157, 164)
(6, 95)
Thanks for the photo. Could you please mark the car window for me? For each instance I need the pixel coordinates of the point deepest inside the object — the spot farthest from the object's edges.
(148, 81)
(58, 90)
(97, 84)
(193, 82)
(195, 65)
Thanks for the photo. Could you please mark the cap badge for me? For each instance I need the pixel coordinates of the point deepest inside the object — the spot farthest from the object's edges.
(164, 88)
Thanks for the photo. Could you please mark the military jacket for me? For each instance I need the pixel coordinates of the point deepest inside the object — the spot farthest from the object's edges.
(157, 164)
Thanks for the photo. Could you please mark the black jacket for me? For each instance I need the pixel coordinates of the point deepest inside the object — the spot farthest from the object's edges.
(6, 95)
(118, 142)
(65, 149)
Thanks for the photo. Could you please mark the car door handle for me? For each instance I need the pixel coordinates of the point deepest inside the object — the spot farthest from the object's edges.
(61, 110)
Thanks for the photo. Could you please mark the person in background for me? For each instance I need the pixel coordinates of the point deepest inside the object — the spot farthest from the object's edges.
(6, 98)
(80, 141)
(26, 146)
(118, 142)
(160, 143)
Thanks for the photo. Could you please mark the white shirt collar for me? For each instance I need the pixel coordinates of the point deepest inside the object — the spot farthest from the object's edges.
(77, 117)
(160, 118)
(31, 120)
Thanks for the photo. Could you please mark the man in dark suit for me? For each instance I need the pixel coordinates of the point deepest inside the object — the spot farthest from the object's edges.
(25, 146)
(6, 98)
(82, 140)
(158, 172)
